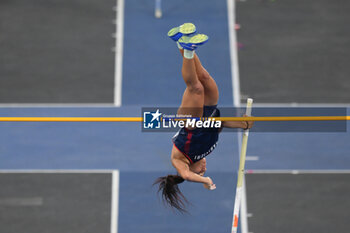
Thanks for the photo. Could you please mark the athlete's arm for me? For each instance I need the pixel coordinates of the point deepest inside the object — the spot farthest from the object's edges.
(184, 171)
(238, 124)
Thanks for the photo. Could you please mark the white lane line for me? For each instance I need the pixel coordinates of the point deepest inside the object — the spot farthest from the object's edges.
(115, 201)
(233, 53)
(21, 201)
(290, 105)
(236, 95)
(295, 171)
(55, 171)
(252, 158)
(119, 40)
(109, 105)
(58, 105)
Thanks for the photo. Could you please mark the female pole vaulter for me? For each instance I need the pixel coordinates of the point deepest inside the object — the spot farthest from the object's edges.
(200, 99)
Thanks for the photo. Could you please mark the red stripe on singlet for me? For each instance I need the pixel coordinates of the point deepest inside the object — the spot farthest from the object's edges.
(188, 157)
(188, 141)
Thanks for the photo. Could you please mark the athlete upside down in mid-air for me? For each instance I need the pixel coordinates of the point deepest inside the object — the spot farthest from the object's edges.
(200, 98)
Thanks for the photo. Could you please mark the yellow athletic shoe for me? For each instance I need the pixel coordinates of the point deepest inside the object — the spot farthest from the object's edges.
(185, 29)
(192, 42)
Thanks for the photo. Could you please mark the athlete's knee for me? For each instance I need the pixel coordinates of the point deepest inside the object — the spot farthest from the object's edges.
(196, 88)
(203, 75)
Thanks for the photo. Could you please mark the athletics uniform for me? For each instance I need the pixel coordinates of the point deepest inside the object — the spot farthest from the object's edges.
(198, 143)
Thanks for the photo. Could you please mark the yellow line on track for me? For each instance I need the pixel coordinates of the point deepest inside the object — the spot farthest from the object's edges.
(140, 119)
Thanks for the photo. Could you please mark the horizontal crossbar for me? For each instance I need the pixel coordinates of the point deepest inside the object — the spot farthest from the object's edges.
(140, 119)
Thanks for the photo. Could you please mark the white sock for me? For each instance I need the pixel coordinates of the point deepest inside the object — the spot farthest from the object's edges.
(189, 54)
(178, 45)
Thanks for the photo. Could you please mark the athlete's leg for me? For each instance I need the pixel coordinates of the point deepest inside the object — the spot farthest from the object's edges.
(211, 92)
(193, 97)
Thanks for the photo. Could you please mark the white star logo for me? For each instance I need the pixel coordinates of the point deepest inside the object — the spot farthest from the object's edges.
(156, 115)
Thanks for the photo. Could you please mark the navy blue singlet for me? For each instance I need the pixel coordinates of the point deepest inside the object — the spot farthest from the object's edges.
(197, 143)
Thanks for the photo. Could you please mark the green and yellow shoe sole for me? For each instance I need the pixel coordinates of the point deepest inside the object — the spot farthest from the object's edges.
(184, 29)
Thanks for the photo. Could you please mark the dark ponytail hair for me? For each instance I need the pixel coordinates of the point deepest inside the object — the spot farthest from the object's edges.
(171, 193)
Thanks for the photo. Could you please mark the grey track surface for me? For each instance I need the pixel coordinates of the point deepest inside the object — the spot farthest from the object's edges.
(295, 51)
(313, 203)
(74, 203)
(56, 51)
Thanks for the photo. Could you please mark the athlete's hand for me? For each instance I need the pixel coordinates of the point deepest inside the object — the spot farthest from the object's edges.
(247, 124)
(209, 184)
